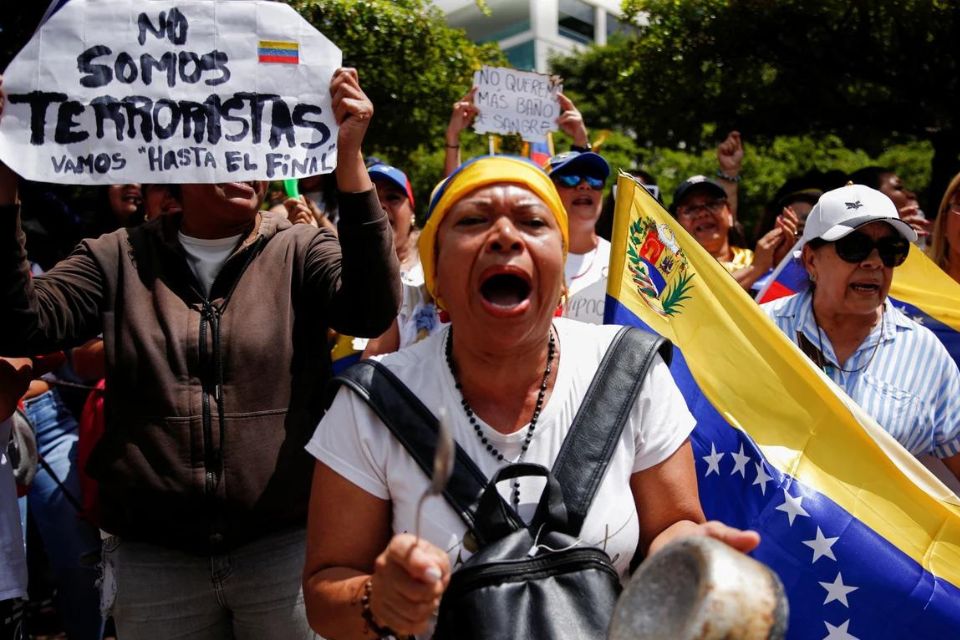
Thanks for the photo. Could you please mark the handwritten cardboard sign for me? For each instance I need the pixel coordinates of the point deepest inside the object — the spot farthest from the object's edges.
(511, 101)
(116, 91)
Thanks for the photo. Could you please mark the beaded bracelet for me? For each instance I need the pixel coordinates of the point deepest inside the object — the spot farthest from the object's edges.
(367, 614)
(723, 176)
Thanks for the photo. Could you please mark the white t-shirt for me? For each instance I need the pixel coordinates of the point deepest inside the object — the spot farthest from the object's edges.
(206, 257)
(13, 561)
(418, 316)
(586, 278)
(351, 440)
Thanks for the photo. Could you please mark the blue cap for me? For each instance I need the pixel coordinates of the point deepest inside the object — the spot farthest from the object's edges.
(576, 161)
(393, 175)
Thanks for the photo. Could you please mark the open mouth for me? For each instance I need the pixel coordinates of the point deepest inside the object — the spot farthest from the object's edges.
(865, 287)
(505, 290)
(584, 200)
(705, 227)
(131, 195)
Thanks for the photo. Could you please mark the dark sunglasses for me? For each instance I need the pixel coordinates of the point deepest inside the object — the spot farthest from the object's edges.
(856, 247)
(692, 210)
(572, 179)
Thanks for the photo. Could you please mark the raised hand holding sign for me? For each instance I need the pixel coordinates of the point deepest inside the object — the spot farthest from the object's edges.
(111, 91)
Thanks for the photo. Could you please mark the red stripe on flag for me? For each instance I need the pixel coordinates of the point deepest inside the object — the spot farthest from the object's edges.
(281, 59)
(775, 291)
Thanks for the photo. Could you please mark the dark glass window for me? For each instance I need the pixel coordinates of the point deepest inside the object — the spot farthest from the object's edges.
(616, 25)
(521, 56)
(576, 20)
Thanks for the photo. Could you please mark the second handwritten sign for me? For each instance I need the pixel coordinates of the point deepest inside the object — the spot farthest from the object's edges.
(512, 101)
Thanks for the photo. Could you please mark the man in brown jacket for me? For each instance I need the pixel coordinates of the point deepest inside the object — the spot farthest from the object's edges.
(214, 324)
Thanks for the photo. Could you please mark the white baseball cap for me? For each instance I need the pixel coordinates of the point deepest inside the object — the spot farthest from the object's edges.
(842, 210)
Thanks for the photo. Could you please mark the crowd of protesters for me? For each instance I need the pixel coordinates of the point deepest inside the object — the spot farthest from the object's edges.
(202, 320)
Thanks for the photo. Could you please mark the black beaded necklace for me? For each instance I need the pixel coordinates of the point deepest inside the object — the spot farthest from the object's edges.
(821, 360)
(492, 450)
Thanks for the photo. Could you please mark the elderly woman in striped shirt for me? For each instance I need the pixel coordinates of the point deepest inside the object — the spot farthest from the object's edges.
(895, 369)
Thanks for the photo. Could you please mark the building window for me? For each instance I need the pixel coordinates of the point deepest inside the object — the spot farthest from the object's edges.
(506, 32)
(505, 20)
(576, 20)
(522, 56)
(617, 26)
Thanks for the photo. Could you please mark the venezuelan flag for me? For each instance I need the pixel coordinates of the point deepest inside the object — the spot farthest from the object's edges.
(345, 351)
(920, 289)
(282, 51)
(864, 538)
(789, 277)
(540, 152)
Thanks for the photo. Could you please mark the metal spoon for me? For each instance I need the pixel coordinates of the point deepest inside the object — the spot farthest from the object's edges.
(443, 459)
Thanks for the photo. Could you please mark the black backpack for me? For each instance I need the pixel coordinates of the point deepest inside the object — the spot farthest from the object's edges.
(526, 580)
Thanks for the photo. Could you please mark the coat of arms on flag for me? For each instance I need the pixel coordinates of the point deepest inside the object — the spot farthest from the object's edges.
(658, 266)
(865, 540)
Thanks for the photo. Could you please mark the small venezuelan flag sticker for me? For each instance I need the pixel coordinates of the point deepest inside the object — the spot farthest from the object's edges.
(280, 51)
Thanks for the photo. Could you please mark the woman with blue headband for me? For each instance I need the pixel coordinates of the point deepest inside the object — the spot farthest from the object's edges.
(511, 377)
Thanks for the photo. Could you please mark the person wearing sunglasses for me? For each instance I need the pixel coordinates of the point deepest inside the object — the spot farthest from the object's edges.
(702, 208)
(893, 367)
(580, 178)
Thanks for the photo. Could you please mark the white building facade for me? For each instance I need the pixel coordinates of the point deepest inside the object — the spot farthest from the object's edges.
(530, 32)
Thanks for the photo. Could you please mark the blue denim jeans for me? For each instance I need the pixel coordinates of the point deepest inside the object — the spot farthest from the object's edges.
(251, 593)
(71, 544)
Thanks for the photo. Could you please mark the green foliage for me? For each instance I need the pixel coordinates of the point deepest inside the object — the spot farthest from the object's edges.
(412, 66)
(768, 165)
(483, 7)
(796, 66)
(913, 163)
(424, 166)
(616, 147)
(872, 74)
(598, 81)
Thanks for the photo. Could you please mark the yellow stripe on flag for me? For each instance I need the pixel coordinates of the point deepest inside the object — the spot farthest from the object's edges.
(279, 44)
(920, 282)
(761, 383)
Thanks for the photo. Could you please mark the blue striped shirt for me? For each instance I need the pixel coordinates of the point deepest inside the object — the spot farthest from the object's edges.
(909, 383)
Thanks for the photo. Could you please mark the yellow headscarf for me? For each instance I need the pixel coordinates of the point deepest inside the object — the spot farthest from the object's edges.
(472, 175)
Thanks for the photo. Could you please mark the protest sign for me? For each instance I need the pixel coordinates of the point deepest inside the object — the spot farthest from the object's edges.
(116, 91)
(511, 101)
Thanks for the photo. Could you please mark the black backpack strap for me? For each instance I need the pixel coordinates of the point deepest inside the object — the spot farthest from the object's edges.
(496, 518)
(416, 428)
(585, 454)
